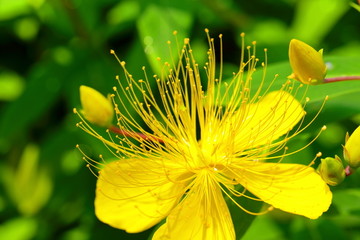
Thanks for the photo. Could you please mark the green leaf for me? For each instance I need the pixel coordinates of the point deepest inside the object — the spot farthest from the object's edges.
(321, 229)
(11, 86)
(356, 6)
(329, 230)
(18, 229)
(155, 28)
(27, 28)
(344, 201)
(263, 228)
(241, 219)
(11, 9)
(300, 157)
(41, 92)
(122, 12)
(29, 185)
(314, 19)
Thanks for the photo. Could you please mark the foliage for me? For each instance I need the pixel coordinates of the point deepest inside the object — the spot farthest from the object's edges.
(50, 48)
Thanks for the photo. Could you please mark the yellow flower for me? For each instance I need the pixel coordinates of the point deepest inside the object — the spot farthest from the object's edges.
(204, 141)
(352, 150)
(96, 108)
(307, 64)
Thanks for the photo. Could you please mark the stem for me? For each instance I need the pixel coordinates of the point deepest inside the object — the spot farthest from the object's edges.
(340, 79)
(76, 21)
(134, 134)
(348, 171)
(229, 15)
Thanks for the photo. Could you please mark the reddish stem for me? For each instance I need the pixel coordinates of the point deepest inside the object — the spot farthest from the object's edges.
(134, 134)
(339, 79)
(348, 171)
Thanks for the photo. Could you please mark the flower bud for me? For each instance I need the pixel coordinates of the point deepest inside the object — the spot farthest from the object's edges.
(352, 149)
(96, 108)
(307, 64)
(332, 170)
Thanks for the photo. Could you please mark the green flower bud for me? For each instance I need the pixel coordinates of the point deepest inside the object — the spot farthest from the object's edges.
(352, 149)
(307, 64)
(96, 108)
(332, 170)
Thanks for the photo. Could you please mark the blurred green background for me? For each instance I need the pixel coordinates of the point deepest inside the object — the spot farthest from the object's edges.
(48, 48)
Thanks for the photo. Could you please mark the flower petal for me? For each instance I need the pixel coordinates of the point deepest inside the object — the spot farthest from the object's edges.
(292, 188)
(135, 194)
(253, 125)
(202, 214)
(263, 122)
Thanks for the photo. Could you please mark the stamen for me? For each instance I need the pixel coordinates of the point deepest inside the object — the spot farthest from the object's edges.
(242, 207)
(199, 136)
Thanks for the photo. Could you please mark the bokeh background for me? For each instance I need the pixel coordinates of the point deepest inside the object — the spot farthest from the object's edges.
(48, 48)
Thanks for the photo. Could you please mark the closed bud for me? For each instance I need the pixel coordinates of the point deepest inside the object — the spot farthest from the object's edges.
(352, 149)
(307, 64)
(332, 170)
(96, 108)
